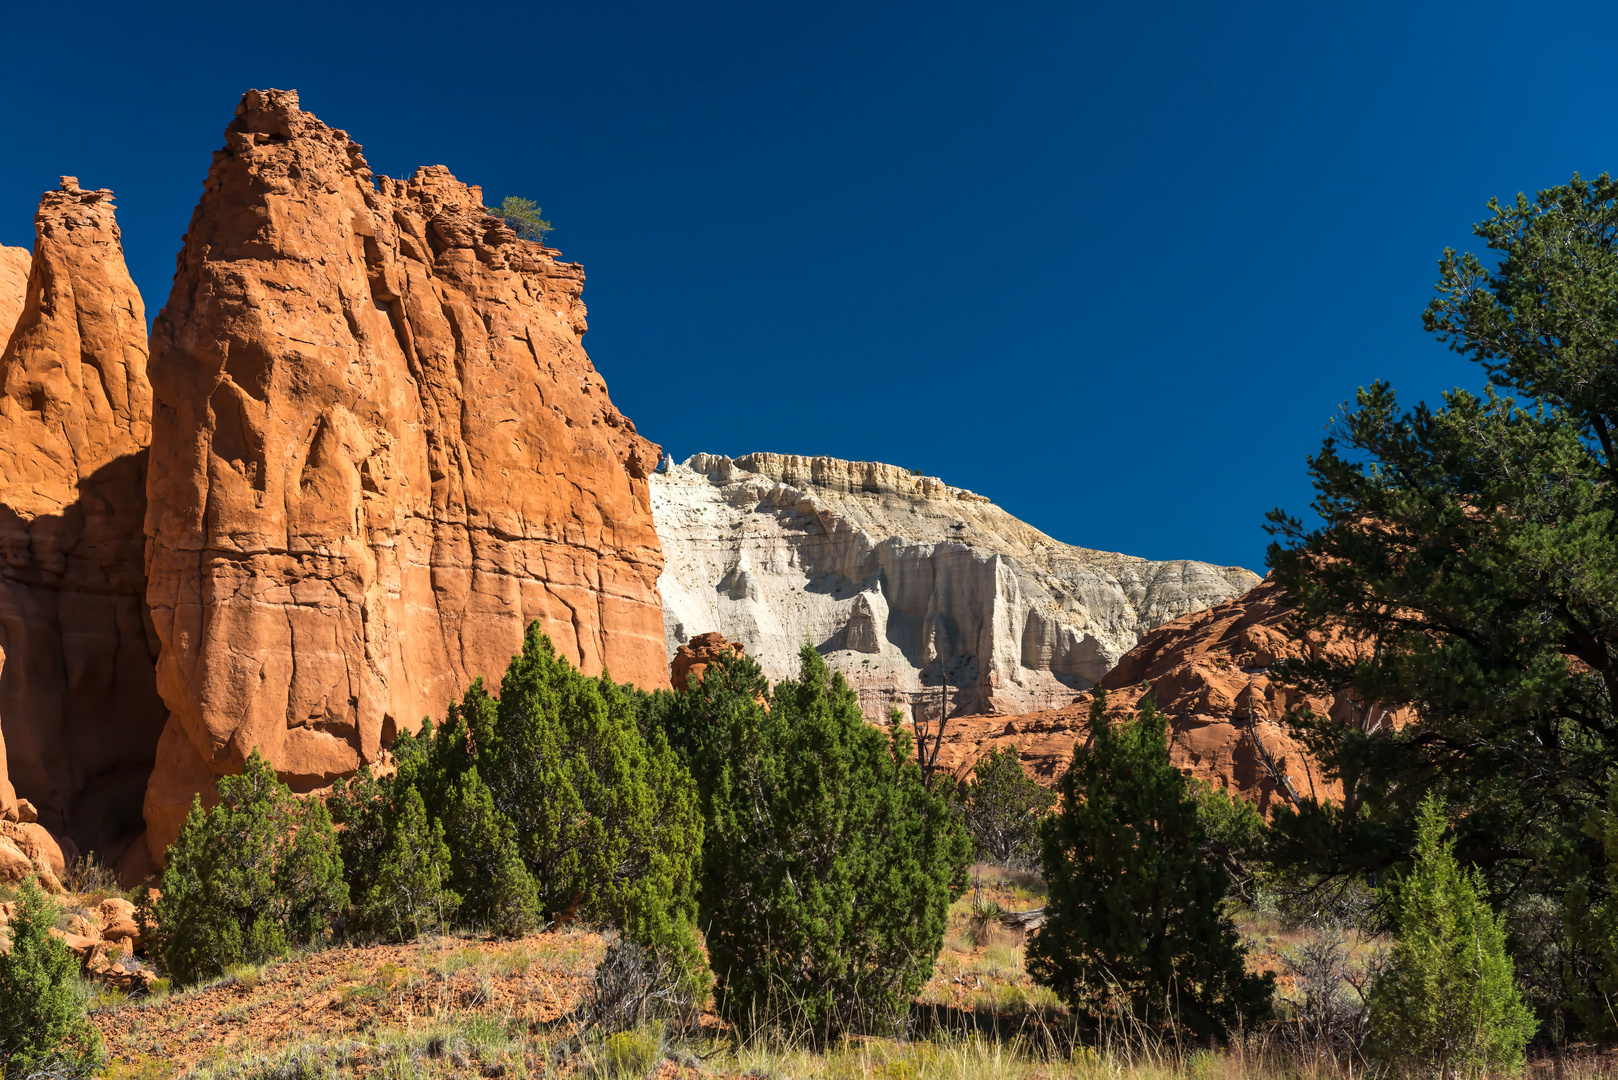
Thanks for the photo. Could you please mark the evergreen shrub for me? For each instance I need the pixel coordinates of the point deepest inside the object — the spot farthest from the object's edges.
(43, 1030)
(1446, 1005)
(246, 880)
(544, 801)
(828, 867)
(1136, 919)
(395, 858)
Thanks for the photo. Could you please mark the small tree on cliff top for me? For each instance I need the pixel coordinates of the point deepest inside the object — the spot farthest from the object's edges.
(522, 216)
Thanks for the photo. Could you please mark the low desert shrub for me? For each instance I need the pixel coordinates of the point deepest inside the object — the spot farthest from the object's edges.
(627, 1055)
(246, 880)
(634, 986)
(43, 1030)
(1329, 1011)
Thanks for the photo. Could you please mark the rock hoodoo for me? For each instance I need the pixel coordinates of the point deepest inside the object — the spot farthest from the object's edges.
(896, 577)
(1208, 671)
(692, 658)
(78, 702)
(379, 451)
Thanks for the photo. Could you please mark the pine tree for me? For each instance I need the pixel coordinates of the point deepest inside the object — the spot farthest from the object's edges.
(1003, 806)
(828, 867)
(43, 1030)
(1446, 1004)
(1470, 546)
(522, 216)
(247, 880)
(1136, 912)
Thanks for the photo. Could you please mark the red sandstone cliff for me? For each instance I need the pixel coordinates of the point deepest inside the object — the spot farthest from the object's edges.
(379, 451)
(14, 264)
(1208, 671)
(78, 703)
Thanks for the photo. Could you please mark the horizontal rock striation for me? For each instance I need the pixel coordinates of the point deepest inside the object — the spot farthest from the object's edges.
(78, 702)
(897, 578)
(379, 451)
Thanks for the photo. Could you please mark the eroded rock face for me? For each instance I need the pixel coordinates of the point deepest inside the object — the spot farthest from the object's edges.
(380, 450)
(78, 701)
(13, 287)
(1208, 672)
(895, 576)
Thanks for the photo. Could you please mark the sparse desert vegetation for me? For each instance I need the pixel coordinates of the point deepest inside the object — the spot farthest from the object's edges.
(465, 1005)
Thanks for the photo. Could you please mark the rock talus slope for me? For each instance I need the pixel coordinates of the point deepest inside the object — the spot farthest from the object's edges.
(78, 701)
(1209, 673)
(895, 577)
(379, 451)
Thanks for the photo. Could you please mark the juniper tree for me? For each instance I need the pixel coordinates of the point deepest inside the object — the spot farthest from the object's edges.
(395, 858)
(490, 873)
(1590, 973)
(1135, 914)
(552, 802)
(605, 818)
(246, 880)
(828, 866)
(43, 1030)
(1002, 808)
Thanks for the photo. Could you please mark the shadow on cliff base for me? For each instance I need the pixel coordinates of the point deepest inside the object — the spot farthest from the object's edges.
(79, 708)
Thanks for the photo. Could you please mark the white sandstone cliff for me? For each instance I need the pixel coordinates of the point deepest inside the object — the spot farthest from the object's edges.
(893, 576)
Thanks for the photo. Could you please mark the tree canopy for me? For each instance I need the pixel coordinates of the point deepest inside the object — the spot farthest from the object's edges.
(1470, 552)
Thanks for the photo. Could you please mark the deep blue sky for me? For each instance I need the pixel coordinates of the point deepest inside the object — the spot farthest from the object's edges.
(1113, 265)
